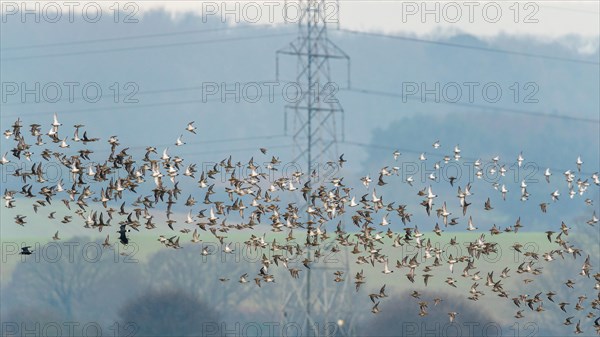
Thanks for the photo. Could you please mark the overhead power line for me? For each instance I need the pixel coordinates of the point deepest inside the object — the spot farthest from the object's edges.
(145, 47)
(482, 108)
(479, 106)
(125, 38)
(124, 106)
(476, 48)
(144, 92)
(201, 31)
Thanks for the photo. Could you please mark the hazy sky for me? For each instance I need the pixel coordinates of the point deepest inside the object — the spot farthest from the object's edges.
(543, 19)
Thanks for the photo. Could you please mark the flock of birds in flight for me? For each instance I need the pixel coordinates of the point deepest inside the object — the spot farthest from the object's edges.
(120, 175)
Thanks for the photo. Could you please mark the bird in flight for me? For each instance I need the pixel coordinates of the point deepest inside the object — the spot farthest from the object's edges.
(25, 250)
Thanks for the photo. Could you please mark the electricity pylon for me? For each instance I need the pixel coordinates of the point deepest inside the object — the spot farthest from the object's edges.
(320, 304)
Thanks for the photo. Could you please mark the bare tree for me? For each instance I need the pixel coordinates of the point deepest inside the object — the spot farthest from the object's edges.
(72, 282)
(170, 313)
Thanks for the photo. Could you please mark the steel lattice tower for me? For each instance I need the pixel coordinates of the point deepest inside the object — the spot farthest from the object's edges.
(318, 120)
